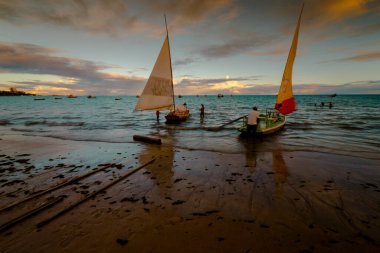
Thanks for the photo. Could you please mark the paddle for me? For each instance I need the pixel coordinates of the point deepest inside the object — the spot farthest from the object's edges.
(228, 123)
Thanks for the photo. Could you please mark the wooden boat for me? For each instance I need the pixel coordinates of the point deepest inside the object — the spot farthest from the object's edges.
(158, 93)
(274, 119)
(90, 97)
(39, 99)
(220, 95)
(269, 123)
(71, 96)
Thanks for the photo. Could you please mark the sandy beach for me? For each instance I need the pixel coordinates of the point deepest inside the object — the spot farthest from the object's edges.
(188, 200)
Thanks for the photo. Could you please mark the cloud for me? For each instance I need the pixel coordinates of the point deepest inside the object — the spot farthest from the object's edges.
(185, 61)
(214, 85)
(360, 87)
(95, 16)
(189, 12)
(360, 57)
(248, 86)
(360, 30)
(76, 73)
(247, 43)
(116, 17)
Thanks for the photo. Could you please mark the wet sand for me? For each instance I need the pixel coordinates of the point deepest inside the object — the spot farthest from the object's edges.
(188, 200)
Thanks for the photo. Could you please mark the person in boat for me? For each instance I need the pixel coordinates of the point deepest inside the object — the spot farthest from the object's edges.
(158, 115)
(253, 119)
(202, 109)
(185, 105)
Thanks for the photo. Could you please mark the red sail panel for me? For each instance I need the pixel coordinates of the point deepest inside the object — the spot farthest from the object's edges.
(287, 106)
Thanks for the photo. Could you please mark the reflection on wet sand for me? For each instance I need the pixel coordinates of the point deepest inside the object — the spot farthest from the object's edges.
(280, 170)
(162, 172)
(250, 154)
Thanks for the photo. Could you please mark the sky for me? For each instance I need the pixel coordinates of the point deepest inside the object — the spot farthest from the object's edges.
(101, 47)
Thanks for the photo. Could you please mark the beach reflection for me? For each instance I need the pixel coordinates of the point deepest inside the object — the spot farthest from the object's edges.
(280, 170)
(161, 171)
(250, 153)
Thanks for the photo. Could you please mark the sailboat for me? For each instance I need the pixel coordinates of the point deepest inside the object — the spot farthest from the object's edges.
(275, 119)
(158, 93)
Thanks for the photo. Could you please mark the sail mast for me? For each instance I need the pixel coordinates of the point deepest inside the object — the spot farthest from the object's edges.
(285, 102)
(171, 71)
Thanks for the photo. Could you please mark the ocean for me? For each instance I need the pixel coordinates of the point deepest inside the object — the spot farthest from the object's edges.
(351, 127)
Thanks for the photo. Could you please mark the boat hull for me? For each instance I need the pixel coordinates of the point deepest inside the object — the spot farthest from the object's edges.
(267, 125)
(176, 117)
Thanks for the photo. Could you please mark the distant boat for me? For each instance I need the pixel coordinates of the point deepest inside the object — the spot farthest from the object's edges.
(39, 99)
(180, 96)
(220, 95)
(71, 96)
(332, 95)
(91, 97)
(158, 93)
(57, 98)
(275, 119)
(117, 98)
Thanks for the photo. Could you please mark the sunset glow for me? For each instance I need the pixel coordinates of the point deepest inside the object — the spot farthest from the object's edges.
(223, 46)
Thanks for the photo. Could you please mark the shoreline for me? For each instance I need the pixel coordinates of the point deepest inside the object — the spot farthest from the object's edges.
(192, 201)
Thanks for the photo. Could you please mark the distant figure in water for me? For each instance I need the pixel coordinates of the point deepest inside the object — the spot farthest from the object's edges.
(158, 115)
(202, 109)
(185, 105)
(322, 104)
(253, 119)
(330, 105)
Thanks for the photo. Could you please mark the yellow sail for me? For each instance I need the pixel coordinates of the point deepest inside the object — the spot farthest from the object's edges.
(158, 92)
(285, 102)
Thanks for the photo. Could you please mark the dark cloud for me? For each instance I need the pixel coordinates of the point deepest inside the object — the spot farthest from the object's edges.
(359, 57)
(187, 12)
(360, 30)
(96, 16)
(185, 61)
(238, 46)
(116, 17)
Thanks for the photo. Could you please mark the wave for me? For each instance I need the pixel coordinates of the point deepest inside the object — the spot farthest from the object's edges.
(349, 127)
(52, 123)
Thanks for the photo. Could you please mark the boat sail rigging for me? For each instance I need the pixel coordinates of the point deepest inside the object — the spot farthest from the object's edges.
(158, 93)
(285, 102)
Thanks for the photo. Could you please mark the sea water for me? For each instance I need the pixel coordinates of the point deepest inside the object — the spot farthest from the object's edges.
(350, 127)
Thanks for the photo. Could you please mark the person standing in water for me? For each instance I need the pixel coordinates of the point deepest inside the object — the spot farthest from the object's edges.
(253, 118)
(202, 109)
(158, 115)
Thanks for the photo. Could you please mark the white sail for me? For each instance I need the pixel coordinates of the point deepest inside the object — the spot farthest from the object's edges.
(158, 93)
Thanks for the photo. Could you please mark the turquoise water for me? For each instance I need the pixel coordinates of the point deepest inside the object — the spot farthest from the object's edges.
(350, 127)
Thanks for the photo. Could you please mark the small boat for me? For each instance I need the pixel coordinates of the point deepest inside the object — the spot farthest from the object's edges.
(117, 98)
(90, 97)
(179, 96)
(274, 119)
(39, 99)
(158, 93)
(71, 96)
(57, 98)
(220, 95)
